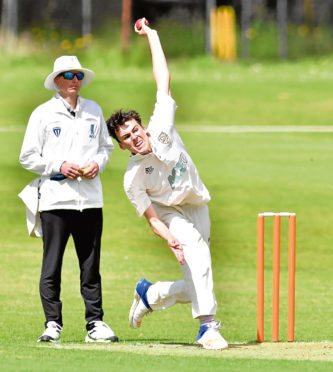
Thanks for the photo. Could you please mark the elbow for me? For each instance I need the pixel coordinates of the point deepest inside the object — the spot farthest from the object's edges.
(22, 160)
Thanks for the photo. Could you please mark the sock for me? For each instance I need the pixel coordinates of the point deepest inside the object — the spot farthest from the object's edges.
(206, 319)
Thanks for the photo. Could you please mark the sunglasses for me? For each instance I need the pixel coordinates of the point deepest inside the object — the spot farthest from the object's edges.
(68, 75)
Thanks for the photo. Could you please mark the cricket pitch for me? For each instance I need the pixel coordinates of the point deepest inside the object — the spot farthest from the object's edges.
(315, 351)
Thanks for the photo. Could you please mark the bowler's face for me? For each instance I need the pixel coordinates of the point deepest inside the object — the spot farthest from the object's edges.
(133, 137)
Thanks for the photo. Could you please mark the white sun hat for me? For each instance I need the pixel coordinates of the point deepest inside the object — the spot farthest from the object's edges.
(67, 63)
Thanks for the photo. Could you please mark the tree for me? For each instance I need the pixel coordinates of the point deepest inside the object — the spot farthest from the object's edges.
(210, 5)
(126, 24)
(282, 15)
(86, 17)
(246, 13)
(9, 21)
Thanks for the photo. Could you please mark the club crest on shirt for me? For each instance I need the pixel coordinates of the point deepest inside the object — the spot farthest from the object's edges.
(164, 138)
(57, 131)
(178, 171)
(149, 170)
(92, 131)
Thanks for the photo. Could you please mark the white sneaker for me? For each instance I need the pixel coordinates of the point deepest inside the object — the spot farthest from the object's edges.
(99, 331)
(209, 336)
(51, 333)
(140, 306)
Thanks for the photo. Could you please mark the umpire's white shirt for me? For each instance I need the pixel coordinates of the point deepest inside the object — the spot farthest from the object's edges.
(54, 135)
(167, 176)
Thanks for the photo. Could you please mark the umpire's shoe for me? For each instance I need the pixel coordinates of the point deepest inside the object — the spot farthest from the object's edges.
(98, 331)
(51, 333)
(140, 306)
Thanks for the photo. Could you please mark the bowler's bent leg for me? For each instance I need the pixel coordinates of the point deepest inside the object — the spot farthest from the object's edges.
(162, 295)
(197, 269)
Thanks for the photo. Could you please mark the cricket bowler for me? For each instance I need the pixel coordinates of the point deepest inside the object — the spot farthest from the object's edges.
(163, 184)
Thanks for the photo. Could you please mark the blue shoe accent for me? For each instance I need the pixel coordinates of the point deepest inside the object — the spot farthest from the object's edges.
(142, 287)
(202, 330)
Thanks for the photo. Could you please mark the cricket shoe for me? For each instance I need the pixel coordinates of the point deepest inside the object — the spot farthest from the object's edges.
(51, 333)
(209, 336)
(140, 306)
(99, 331)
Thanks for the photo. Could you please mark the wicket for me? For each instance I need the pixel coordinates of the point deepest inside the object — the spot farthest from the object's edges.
(276, 275)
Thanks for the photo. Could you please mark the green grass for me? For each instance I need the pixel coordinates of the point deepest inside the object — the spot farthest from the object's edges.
(246, 173)
(208, 92)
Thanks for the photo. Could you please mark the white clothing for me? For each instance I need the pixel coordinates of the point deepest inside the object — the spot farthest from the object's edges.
(30, 197)
(53, 136)
(167, 175)
(168, 179)
(191, 226)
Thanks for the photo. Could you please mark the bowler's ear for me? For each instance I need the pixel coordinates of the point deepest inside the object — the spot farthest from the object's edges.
(146, 131)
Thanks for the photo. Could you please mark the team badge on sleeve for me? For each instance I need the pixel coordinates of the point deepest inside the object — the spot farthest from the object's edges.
(164, 138)
(57, 131)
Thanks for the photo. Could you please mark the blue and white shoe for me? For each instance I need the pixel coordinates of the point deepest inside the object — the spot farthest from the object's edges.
(51, 333)
(140, 306)
(209, 336)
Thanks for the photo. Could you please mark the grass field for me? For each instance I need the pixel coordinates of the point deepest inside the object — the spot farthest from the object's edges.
(246, 173)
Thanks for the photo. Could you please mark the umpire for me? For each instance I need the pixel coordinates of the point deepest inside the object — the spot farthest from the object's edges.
(66, 142)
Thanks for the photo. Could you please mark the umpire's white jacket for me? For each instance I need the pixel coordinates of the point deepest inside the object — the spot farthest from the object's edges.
(55, 134)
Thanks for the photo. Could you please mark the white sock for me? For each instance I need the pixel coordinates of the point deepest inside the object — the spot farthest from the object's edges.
(206, 319)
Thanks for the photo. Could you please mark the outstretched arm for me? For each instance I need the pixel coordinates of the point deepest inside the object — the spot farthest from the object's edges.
(162, 230)
(160, 66)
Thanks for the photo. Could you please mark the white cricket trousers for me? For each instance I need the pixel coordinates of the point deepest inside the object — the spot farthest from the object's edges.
(191, 226)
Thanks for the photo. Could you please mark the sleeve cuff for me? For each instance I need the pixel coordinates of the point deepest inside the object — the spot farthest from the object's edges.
(143, 207)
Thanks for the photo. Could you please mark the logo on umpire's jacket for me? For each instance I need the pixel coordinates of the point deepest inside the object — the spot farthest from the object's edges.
(164, 138)
(92, 129)
(56, 131)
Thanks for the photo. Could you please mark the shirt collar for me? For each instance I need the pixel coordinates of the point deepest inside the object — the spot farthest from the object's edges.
(67, 105)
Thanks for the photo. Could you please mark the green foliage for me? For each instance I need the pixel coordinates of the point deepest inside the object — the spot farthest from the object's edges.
(302, 41)
(179, 40)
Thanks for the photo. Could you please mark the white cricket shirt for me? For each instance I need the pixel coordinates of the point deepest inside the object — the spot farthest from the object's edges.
(167, 176)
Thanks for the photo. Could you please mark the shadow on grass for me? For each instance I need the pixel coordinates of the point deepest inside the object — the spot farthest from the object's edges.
(170, 343)
(245, 344)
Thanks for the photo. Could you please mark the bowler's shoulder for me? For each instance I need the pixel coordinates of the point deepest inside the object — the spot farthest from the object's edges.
(130, 174)
(135, 165)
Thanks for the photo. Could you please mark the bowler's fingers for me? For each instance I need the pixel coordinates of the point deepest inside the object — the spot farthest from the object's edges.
(177, 250)
(143, 29)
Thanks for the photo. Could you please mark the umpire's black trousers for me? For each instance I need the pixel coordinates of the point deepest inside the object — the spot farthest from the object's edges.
(86, 229)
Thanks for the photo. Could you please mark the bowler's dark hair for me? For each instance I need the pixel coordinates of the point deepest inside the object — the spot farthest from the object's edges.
(119, 118)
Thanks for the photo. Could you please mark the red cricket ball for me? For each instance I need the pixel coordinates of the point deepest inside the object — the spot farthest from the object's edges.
(138, 24)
